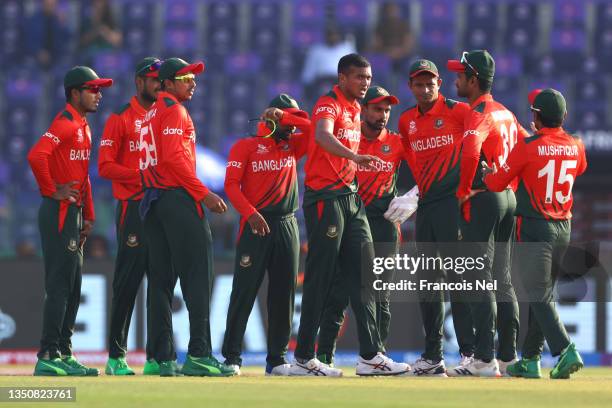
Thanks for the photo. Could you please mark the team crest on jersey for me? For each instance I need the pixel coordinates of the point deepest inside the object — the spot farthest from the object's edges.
(412, 129)
(72, 245)
(262, 149)
(438, 123)
(332, 231)
(385, 148)
(245, 261)
(132, 241)
(80, 135)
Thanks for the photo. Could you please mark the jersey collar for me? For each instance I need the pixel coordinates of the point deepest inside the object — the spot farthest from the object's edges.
(137, 106)
(482, 98)
(163, 94)
(434, 109)
(343, 101)
(76, 115)
(382, 136)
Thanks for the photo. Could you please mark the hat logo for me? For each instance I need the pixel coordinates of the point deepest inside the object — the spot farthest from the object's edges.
(132, 241)
(439, 123)
(80, 135)
(424, 64)
(413, 129)
(332, 231)
(385, 148)
(262, 149)
(245, 261)
(72, 245)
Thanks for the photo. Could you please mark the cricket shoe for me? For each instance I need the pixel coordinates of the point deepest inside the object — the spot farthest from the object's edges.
(525, 368)
(380, 365)
(151, 367)
(234, 367)
(169, 369)
(278, 370)
(206, 367)
(429, 368)
(56, 367)
(465, 359)
(313, 367)
(476, 368)
(503, 366)
(569, 362)
(118, 366)
(74, 363)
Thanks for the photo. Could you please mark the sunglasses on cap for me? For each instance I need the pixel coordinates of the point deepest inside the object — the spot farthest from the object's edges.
(464, 61)
(147, 69)
(185, 78)
(91, 89)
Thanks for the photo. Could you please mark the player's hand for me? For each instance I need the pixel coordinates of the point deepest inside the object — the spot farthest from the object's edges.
(486, 170)
(366, 160)
(66, 192)
(214, 203)
(533, 127)
(472, 193)
(85, 231)
(274, 114)
(258, 224)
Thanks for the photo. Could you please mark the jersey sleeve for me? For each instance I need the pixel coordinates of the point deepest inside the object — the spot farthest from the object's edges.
(409, 154)
(474, 133)
(234, 171)
(582, 164)
(325, 109)
(110, 146)
(38, 157)
(298, 141)
(512, 168)
(176, 158)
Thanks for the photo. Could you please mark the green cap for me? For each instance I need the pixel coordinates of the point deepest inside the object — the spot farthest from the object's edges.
(422, 65)
(173, 67)
(81, 75)
(288, 104)
(550, 103)
(478, 62)
(376, 94)
(148, 67)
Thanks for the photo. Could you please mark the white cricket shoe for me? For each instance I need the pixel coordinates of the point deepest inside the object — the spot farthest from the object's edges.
(381, 365)
(465, 360)
(313, 367)
(235, 367)
(280, 370)
(477, 368)
(429, 368)
(503, 366)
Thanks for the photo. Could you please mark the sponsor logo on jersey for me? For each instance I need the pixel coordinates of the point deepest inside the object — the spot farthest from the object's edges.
(332, 231)
(72, 245)
(235, 164)
(80, 135)
(107, 142)
(262, 149)
(132, 241)
(471, 132)
(51, 136)
(438, 124)
(412, 128)
(172, 131)
(325, 109)
(245, 261)
(79, 154)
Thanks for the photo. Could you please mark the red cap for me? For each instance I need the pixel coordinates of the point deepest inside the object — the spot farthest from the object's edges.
(532, 95)
(101, 82)
(195, 68)
(455, 66)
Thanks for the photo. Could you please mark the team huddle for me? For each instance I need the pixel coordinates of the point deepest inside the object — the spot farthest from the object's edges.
(481, 179)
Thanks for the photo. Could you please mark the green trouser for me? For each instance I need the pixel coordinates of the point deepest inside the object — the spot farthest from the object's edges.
(437, 228)
(180, 246)
(130, 268)
(489, 234)
(385, 232)
(337, 228)
(278, 253)
(63, 259)
(541, 249)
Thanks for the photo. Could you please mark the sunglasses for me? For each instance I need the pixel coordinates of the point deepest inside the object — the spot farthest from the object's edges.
(150, 68)
(91, 89)
(464, 61)
(187, 78)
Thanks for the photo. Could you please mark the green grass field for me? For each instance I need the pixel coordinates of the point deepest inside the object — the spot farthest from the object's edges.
(591, 387)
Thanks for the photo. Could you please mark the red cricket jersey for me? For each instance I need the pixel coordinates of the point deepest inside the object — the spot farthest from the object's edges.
(119, 153)
(328, 175)
(261, 173)
(377, 187)
(60, 156)
(167, 148)
(491, 131)
(547, 164)
(432, 142)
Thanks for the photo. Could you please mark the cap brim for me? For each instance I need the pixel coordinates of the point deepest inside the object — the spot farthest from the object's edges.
(101, 82)
(154, 74)
(392, 99)
(532, 95)
(455, 66)
(420, 71)
(296, 112)
(195, 68)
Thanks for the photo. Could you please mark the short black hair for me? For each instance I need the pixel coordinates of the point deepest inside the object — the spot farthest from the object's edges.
(484, 84)
(549, 123)
(68, 92)
(352, 60)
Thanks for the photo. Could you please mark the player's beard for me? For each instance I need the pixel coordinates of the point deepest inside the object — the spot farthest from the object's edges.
(375, 126)
(146, 96)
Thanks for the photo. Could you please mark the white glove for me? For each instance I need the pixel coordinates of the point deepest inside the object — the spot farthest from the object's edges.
(402, 207)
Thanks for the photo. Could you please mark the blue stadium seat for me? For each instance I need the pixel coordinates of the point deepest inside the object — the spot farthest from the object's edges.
(439, 44)
(291, 88)
(246, 64)
(180, 12)
(308, 12)
(266, 13)
(112, 63)
(138, 14)
(304, 36)
(519, 39)
(522, 14)
(438, 12)
(482, 14)
(476, 37)
(381, 69)
(567, 46)
(179, 40)
(569, 14)
(137, 40)
(508, 65)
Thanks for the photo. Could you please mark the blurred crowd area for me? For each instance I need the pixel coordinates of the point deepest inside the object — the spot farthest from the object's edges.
(254, 50)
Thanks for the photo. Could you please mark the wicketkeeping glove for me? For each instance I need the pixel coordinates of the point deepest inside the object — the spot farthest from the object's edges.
(402, 207)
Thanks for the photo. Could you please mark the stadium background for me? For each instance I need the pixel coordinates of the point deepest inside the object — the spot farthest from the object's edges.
(254, 50)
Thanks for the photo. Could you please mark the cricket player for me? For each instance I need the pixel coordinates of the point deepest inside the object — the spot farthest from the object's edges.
(547, 165)
(377, 187)
(487, 219)
(432, 132)
(337, 226)
(177, 231)
(118, 161)
(261, 183)
(60, 163)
